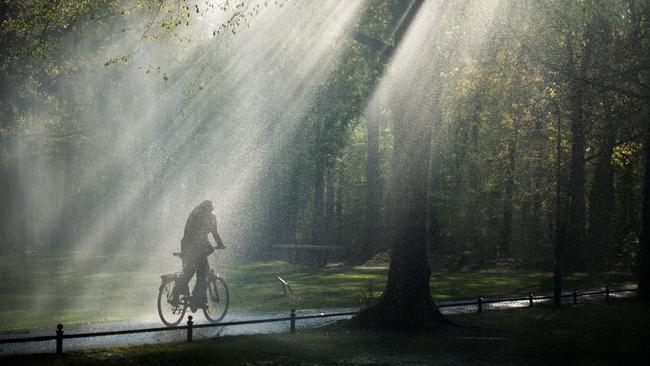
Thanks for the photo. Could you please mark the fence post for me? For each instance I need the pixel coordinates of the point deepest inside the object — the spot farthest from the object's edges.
(480, 304)
(293, 321)
(575, 297)
(530, 299)
(607, 294)
(189, 328)
(59, 339)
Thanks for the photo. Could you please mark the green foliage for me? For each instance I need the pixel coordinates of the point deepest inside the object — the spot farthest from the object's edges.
(486, 161)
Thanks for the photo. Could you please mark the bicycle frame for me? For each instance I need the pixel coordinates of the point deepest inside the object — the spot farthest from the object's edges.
(214, 307)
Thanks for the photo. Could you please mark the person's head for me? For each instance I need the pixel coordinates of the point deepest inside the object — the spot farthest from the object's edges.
(206, 206)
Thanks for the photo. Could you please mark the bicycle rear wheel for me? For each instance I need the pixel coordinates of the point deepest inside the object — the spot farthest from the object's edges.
(218, 299)
(170, 314)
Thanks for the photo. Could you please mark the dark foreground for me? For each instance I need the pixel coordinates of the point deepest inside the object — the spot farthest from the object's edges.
(593, 334)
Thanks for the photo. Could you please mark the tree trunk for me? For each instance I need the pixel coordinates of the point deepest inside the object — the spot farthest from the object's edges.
(329, 207)
(434, 226)
(644, 240)
(373, 196)
(338, 207)
(406, 302)
(10, 206)
(473, 219)
(601, 197)
(318, 209)
(506, 228)
(574, 254)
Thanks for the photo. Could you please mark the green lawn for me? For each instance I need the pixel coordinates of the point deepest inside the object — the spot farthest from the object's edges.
(591, 334)
(43, 291)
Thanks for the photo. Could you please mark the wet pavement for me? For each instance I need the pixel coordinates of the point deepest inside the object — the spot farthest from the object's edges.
(172, 335)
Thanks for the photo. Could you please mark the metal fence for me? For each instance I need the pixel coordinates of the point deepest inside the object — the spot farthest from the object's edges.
(292, 318)
(607, 292)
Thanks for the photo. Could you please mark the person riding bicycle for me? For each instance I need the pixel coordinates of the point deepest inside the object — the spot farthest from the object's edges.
(195, 249)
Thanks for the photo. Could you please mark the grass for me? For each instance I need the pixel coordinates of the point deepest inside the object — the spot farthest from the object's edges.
(596, 334)
(45, 291)
(589, 334)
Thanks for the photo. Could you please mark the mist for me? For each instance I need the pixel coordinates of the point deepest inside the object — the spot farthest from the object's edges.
(328, 134)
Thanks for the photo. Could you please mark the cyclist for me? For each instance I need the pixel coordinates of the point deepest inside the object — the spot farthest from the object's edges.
(195, 249)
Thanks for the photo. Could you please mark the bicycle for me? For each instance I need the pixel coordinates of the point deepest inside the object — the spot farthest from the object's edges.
(214, 309)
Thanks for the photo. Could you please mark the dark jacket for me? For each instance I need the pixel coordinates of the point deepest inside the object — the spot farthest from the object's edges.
(200, 223)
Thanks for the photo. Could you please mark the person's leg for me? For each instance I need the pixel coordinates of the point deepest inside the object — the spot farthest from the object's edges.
(181, 285)
(202, 268)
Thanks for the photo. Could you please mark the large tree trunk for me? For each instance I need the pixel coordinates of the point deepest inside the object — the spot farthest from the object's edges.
(406, 302)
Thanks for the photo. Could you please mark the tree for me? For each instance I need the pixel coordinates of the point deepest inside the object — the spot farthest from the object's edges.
(578, 63)
(640, 42)
(644, 240)
(406, 301)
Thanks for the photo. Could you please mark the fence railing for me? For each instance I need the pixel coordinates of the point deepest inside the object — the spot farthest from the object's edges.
(532, 298)
(292, 318)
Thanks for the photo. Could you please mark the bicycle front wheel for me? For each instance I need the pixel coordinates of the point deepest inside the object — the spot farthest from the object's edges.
(218, 299)
(170, 314)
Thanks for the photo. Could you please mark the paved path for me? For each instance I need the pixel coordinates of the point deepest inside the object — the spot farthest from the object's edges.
(160, 337)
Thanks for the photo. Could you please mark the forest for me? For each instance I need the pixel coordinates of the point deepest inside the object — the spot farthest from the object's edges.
(459, 135)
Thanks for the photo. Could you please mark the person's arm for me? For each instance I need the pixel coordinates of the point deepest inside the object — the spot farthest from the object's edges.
(217, 239)
(215, 234)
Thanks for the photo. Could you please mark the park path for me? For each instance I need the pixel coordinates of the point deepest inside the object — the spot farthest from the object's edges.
(212, 332)
(161, 337)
